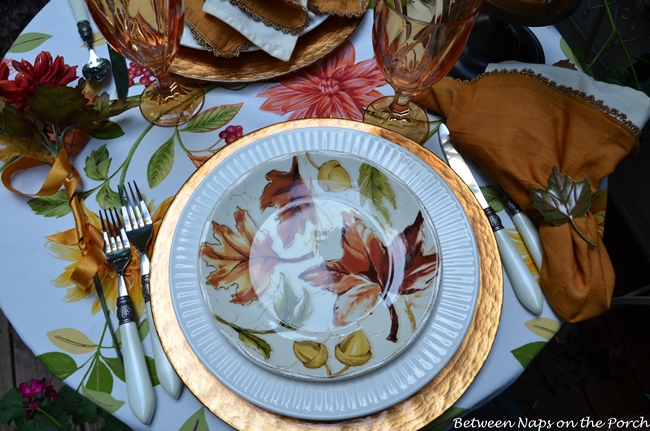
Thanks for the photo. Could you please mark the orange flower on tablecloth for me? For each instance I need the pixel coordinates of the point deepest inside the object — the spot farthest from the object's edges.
(107, 276)
(335, 87)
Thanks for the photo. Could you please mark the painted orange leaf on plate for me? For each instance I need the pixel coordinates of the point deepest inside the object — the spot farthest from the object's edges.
(368, 270)
(240, 259)
(288, 191)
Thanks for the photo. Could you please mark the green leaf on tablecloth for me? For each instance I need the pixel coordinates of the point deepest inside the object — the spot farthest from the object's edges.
(493, 196)
(143, 328)
(107, 130)
(60, 364)
(544, 327)
(566, 50)
(153, 373)
(161, 163)
(196, 422)
(100, 378)
(72, 341)
(115, 366)
(102, 399)
(97, 164)
(374, 186)
(256, 343)
(212, 119)
(51, 206)
(443, 421)
(28, 41)
(527, 352)
(11, 407)
(107, 197)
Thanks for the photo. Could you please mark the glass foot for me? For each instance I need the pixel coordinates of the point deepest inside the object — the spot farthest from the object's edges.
(413, 124)
(177, 106)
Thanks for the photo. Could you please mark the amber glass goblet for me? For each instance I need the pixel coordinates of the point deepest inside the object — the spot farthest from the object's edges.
(416, 43)
(148, 32)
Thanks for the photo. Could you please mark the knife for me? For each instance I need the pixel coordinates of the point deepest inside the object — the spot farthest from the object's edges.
(523, 282)
(526, 228)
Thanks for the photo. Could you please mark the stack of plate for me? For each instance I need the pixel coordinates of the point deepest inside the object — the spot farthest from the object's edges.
(326, 270)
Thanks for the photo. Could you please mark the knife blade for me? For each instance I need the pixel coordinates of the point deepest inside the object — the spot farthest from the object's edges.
(526, 228)
(524, 284)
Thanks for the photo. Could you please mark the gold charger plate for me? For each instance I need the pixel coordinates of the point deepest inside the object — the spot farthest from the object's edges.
(413, 413)
(258, 65)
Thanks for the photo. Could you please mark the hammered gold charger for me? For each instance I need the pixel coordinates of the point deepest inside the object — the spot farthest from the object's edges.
(258, 65)
(419, 409)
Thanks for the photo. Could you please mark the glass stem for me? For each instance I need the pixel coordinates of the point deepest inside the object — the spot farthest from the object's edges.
(399, 107)
(165, 83)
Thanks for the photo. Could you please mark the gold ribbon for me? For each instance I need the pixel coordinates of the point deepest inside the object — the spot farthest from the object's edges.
(85, 235)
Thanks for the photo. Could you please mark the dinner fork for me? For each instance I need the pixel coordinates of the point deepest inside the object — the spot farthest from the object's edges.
(138, 382)
(139, 229)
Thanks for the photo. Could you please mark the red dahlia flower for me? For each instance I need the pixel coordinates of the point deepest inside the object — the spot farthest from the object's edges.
(43, 71)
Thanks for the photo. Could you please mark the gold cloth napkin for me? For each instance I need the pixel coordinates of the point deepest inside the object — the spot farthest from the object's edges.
(287, 17)
(518, 125)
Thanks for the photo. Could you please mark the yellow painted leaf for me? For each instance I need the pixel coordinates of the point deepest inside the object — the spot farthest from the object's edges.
(544, 327)
(514, 235)
(72, 341)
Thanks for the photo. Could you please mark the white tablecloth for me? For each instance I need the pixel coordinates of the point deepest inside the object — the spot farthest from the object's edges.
(41, 303)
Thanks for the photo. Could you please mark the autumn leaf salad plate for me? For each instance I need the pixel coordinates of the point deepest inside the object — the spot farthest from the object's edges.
(317, 271)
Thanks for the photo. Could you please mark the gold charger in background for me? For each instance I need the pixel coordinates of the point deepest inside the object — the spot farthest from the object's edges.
(258, 65)
(411, 414)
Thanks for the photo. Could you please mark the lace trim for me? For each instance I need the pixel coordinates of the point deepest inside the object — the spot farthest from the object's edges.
(208, 47)
(596, 103)
(362, 3)
(294, 31)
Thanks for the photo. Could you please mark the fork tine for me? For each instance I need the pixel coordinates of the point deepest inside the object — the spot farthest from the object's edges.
(134, 208)
(120, 233)
(107, 241)
(127, 210)
(143, 204)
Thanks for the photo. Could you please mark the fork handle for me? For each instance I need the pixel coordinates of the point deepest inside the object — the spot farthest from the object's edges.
(138, 382)
(168, 378)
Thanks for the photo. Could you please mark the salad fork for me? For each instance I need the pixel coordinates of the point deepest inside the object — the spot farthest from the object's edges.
(139, 229)
(138, 382)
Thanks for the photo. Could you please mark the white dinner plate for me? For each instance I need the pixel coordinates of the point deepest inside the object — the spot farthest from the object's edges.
(394, 380)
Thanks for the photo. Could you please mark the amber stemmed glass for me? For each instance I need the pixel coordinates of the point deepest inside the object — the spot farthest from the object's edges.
(416, 44)
(148, 32)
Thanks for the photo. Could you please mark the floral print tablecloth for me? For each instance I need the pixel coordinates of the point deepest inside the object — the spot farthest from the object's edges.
(63, 324)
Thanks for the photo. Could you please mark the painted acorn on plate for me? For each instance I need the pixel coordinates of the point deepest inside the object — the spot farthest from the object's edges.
(332, 177)
(310, 353)
(354, 350)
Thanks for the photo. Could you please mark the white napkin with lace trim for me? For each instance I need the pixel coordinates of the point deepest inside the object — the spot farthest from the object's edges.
(276, 43)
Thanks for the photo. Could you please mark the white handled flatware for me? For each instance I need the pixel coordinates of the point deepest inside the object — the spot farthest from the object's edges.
(528, 231)
(524, 284)
(139, 388)
(139, 229)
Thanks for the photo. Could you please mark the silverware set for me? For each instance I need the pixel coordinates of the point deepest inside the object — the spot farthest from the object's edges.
(524, 284)
(135, 227)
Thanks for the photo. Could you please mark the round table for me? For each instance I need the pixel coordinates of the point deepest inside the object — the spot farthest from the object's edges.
(45, 308)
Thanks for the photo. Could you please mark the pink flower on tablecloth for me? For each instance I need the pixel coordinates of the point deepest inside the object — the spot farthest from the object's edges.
(335, 87)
